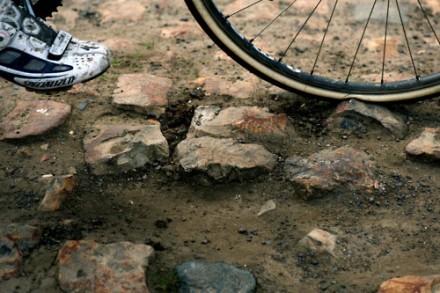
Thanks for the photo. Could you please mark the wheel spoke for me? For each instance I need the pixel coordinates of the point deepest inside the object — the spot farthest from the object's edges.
(272, 21)
(385, 42)
(243, 9)
(429, 21)
(360, 42)
(323, 38)
(299, 31)
(407, 41)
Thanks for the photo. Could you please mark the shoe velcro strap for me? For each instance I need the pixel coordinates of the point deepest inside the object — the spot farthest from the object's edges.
(59, 45)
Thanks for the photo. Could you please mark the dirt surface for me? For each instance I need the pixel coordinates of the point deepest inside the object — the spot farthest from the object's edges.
(393, 232)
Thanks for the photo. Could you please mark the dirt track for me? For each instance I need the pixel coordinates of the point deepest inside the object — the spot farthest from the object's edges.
(395, 234)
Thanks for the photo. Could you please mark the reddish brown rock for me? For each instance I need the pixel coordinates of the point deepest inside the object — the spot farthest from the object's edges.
(142, 93)
(115, 148)
(343, 170)
(411, 284)
(11, 260)
(86, 266)
(427, 145)
(56, 189)
(31, 118)
(237, 122)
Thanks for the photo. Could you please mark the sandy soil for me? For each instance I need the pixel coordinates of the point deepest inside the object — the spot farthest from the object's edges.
(395, 234)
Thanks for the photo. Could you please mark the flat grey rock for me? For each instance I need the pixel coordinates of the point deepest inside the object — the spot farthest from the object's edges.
(204, 277)
(115, 148)
(356, 116)
(223, 159)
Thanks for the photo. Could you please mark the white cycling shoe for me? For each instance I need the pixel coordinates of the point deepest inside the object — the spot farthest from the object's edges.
(37, 57)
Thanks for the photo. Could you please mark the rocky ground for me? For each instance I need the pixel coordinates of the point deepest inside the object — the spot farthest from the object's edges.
(178, 165)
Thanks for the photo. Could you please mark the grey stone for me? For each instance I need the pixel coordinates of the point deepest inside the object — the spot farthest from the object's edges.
(354, 115)
(223, 159)
(86, 266)
(343, 170)
(427, 145)
(115, 148)
(203, 277)
(24, 236)
(14, 239)
(11, 261)
(31, 118)
(237, 122)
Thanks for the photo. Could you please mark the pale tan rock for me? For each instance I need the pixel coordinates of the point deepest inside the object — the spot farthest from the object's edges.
(427, 145)
(320, 241)
(142, 93)
(412, 284)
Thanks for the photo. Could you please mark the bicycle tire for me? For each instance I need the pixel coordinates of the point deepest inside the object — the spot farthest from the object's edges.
(229, 39)
(43, 8)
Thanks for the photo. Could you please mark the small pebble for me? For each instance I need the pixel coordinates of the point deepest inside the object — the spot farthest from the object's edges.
(242, 230)
(82, 106)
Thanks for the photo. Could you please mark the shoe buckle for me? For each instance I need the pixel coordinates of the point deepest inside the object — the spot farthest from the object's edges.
(59, 45)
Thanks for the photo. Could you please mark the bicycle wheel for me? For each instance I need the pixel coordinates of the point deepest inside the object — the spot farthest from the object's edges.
(378, 51)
